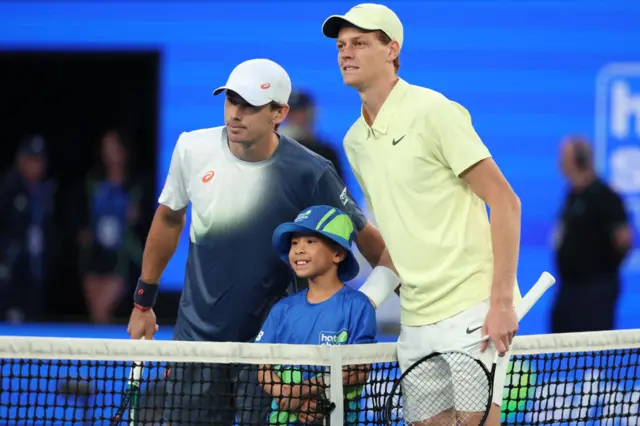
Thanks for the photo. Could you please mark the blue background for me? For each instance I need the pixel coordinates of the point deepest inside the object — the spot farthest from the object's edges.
(526, 71)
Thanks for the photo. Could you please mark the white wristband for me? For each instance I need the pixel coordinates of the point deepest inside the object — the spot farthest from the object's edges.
(380, 284)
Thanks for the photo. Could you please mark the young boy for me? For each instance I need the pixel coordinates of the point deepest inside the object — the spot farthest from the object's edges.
(317, 246)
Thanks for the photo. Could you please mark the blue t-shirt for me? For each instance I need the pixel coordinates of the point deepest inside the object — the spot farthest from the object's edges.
(348, 317)
(233, 276)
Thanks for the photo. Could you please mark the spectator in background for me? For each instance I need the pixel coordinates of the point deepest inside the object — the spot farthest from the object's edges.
(108, 241)
(26, 234)
(593, 239)
(300, 126)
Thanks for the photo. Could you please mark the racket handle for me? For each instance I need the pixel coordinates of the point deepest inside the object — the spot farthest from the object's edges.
(545, 281)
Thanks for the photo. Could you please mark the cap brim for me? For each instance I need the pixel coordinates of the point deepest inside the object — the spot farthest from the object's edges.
(243, 94)
(281, 239)
(331, 26)
(349, 268)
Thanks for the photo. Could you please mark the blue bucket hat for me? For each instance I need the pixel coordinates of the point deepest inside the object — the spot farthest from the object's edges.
(328, 221)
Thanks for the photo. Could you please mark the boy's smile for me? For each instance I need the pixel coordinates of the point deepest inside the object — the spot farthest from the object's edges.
(312, 256)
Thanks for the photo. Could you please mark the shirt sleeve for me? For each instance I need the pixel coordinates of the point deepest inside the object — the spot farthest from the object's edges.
(269, 331)
(455, 137)
(332, 191)
(174, 193)
(363, 324)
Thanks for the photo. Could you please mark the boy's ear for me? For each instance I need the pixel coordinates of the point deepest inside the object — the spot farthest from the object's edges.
(339, 255)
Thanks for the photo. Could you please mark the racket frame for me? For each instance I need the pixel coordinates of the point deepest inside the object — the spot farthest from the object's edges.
(544, 282)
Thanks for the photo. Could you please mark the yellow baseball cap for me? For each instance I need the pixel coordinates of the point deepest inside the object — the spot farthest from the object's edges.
(367, 16)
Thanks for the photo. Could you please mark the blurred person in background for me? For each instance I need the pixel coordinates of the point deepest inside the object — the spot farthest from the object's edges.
(300, 126)
(26, 233)
(591, 242)
(108, 243)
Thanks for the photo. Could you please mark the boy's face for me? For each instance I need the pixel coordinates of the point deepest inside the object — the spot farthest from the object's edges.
(311, 255)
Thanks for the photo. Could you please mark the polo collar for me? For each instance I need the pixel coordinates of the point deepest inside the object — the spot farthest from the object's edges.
(381, 124)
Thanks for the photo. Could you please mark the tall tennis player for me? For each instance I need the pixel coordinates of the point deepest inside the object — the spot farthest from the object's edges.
(242, 180)
(428, 177)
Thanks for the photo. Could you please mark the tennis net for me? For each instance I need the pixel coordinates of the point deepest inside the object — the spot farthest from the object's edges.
(582, 378)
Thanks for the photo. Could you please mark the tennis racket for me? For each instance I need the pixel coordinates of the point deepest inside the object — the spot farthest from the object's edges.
(451, 387)
(131, 396)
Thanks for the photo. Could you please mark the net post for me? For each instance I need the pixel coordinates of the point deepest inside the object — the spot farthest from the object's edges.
(336, 392)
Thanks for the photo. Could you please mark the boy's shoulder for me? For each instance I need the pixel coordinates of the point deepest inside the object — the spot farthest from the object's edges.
(356, 296)
(291, 300)
(349, 295)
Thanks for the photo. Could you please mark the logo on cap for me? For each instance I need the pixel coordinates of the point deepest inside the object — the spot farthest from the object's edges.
(265, 86)
(302, 216)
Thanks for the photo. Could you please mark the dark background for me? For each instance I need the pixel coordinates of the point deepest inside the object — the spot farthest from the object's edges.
(71, 98)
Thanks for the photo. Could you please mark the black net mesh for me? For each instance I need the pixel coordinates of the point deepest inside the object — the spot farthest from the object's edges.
(59, 392)
(581, 388)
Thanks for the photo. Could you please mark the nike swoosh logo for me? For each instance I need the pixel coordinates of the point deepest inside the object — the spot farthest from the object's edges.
(395, 142)
(469, 331)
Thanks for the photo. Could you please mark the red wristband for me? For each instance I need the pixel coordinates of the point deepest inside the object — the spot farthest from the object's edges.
(141, 308)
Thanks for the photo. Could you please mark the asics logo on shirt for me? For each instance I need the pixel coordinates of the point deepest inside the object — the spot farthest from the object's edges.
(208, 176)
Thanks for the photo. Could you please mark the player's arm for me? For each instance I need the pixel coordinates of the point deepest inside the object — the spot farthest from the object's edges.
(162, 241)
(168, 221)
(330, 190)
(467, 156)
(363, 331)
(486, 181)
(268, 379)
(271, 382)
(383, 280)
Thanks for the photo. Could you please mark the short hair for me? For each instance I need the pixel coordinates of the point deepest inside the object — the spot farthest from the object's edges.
(385, 39)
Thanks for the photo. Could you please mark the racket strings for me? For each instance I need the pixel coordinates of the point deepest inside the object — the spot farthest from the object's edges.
(451, 388)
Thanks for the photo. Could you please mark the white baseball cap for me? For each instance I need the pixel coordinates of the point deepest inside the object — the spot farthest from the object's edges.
(367, 16)
(259, 82)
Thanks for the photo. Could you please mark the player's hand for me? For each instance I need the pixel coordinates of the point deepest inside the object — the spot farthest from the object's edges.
(307, 413)
(142, 324)
(501, 325)
(288, 403)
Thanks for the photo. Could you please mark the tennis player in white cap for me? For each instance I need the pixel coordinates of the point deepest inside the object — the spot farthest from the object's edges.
(428, 177)
(242, 180)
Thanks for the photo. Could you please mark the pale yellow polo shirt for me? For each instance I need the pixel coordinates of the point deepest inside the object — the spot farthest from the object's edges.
(436, 229)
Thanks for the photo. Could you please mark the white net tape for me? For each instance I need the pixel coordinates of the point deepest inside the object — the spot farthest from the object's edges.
(601, 368)
(252, 353)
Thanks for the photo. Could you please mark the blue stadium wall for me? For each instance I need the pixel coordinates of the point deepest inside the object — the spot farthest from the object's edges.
(529, 72)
